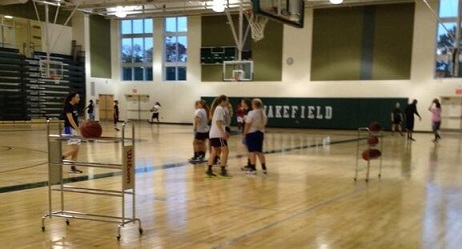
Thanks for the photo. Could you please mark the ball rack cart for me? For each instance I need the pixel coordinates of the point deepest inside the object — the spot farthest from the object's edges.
(363, 134)
(56, 183)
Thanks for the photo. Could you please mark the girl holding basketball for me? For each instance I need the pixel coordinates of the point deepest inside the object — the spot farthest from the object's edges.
(71, 127)
(254, 132)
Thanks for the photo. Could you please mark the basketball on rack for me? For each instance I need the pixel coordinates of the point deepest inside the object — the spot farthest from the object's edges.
(370, 154)
(91, 129)
(373, 140)
(375, 127)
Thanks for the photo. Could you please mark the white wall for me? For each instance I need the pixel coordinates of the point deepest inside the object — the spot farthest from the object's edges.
(177, 97)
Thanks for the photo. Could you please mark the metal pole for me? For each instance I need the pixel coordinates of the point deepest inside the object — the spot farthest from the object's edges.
(49, 180)
(123, 191)
(241, 28)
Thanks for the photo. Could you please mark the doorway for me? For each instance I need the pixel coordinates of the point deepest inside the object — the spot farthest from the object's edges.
(105, 106)
(138, 107)
(451, 114)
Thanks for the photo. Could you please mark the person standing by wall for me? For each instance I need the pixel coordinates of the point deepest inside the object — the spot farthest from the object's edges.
(91, 111)
(435, 109)
(116, 114)
(254, 132)
(155, 112)
(71, 128)
(396, 119)
(410, 111)
(219, 137)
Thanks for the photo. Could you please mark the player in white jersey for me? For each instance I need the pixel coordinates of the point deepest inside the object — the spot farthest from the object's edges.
(201, 131)
(254, 132)
(218, 137)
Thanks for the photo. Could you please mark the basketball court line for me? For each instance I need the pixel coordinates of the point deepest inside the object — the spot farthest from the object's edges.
(28, 186)
(295, 215)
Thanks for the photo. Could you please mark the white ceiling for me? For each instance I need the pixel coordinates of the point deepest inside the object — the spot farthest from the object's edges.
(182, 7)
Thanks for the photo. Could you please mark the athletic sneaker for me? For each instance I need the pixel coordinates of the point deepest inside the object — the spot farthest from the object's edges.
(194, 160)
(251, 172)
(75, 171)
(209, 173)
(246, 168)
(224, 173)
(265, 172)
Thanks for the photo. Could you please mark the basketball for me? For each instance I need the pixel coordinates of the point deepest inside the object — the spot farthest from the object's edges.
(370, 154)
(373, 140)
(374, 126)
(91, 129)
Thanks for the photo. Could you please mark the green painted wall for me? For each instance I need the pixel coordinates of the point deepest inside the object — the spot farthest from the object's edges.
(393, 42)
(325, 113)
(336, 49)
(27, 11)
(267, 53)
(338, 36)
(100, 47)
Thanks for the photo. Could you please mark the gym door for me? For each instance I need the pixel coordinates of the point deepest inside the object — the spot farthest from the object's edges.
(105, 107)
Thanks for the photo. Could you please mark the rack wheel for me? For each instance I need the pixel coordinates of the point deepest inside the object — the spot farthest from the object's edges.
(67, 222)
(140, 230)
(118, 237)
(354, 179)
(43, 229)
(380, 175)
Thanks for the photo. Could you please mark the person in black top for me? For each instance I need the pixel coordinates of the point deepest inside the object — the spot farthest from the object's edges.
(71, 128)
(396, 119)
(410, 111)
(116, 114)
(90, 111)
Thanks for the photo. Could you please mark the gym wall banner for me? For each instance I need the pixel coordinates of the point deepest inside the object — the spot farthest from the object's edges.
(324, 113)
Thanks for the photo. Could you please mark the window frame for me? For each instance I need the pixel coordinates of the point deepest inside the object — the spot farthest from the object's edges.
(147, 62)
(180, 66)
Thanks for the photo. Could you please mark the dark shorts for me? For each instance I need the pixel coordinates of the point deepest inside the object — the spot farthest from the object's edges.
(201, 135)
(218, 142)
(155, 115)
(254, 141)
(397, 121)
(436, 126)
(410, 124)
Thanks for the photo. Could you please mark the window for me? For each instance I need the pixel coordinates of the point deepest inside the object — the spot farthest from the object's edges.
(176, 48)
(448, 54)
(136, 49)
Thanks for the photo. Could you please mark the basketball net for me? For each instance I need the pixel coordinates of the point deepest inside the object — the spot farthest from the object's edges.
(257, 24)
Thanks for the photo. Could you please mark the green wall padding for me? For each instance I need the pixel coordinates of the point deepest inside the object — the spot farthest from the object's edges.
(337, 43)
(336, 49)
(267, 53)
(393, 42)
(325, 113)
(100, 47)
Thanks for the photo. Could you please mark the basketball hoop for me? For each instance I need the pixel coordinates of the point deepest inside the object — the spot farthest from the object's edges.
(257, 24)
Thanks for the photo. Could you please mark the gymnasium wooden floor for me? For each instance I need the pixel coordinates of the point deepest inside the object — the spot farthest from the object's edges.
(308, 199)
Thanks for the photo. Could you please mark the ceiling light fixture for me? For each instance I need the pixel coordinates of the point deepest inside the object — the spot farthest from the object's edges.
(8, 17)
(218, 5)
(336, 1)
(120, 12)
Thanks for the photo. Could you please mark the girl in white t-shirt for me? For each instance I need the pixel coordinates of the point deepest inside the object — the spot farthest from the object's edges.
(201, 131)
(218, 137)
(254, 132)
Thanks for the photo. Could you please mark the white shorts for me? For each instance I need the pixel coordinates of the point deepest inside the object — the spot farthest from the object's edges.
(71, 133)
